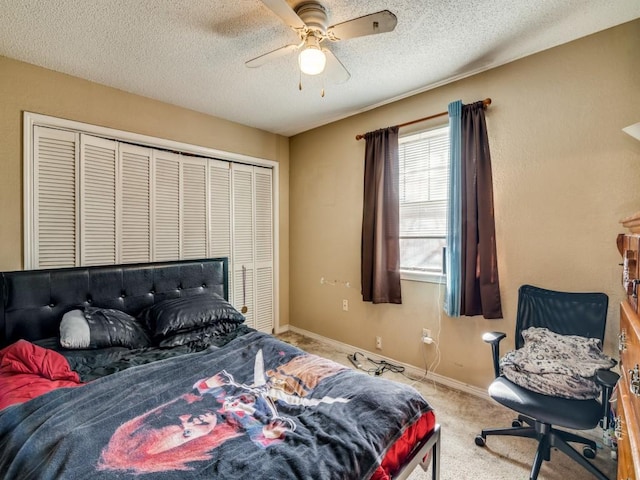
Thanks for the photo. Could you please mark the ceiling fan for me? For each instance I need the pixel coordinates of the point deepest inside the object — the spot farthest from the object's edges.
(309, 20)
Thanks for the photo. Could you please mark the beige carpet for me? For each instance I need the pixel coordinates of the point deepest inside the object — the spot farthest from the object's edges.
(462, 416)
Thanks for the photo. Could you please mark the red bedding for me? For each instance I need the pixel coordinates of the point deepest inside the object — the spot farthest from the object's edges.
(403, 447)
(27, 370)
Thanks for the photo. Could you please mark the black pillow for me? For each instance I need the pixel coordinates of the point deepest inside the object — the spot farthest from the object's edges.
(176, 315)
(200, 335)
(90, 327)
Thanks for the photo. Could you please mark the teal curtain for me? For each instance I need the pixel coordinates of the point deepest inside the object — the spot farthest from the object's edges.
(473, 286)
(454, 217)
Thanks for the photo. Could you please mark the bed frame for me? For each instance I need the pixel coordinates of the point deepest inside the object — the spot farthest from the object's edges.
(33, 301)
(426, 453)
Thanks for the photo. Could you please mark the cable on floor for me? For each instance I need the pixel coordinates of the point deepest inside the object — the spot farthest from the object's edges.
(379, 366)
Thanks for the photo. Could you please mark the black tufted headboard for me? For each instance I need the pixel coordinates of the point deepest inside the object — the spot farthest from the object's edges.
(33, 301)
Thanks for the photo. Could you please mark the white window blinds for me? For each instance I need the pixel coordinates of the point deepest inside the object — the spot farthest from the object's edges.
(423, 182)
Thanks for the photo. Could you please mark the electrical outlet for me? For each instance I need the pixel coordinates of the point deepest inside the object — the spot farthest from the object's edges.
(379, 343)
(426, 336)
(345, 305)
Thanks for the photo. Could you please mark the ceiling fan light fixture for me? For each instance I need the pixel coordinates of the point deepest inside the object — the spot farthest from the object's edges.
(312, 59)
(309, 20)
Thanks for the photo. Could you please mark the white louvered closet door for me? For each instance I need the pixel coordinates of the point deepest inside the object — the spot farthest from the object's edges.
(166, 206)
(194, 208)
(135, 210)
(264, 249)
(253, 244)
(98, 201)
(54, 216)
(220, 212)
(243, 236)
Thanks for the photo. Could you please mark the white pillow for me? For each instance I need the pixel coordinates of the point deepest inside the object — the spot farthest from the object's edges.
(74, 330)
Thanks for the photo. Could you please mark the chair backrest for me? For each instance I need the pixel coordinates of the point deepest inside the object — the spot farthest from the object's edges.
(566, 313)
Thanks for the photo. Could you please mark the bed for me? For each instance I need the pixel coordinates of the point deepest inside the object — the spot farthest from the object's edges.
(146, 370)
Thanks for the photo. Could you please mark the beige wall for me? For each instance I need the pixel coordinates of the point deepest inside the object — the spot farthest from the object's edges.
(25, 87)
(564, 175)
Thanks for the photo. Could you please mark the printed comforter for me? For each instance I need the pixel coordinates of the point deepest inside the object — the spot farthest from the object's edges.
(255, 408)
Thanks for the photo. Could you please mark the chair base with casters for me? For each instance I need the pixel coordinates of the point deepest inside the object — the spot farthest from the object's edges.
(565, 313)
(537, 428)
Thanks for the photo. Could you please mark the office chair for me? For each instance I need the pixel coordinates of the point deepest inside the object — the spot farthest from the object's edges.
(583, 314)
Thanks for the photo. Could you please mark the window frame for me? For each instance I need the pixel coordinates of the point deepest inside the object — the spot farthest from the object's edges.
(427, 277)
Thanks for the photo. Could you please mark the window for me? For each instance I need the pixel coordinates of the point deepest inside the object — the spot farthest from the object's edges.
(424, 180)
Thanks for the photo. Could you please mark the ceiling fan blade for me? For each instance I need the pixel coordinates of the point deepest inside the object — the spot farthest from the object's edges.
(282, 9)
(334, 70)
(272, 55)
(379, 22)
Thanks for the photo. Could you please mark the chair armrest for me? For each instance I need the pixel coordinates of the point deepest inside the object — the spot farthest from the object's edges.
(494, 338)
(607, 380)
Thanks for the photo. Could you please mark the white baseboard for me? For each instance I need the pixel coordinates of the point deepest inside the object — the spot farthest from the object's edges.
(409, 369)
(278, 329)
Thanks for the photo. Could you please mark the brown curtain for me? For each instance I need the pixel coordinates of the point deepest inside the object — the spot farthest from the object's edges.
(480, 285)
(381, 219)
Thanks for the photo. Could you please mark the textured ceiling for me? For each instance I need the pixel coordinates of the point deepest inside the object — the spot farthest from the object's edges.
(191, 53)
